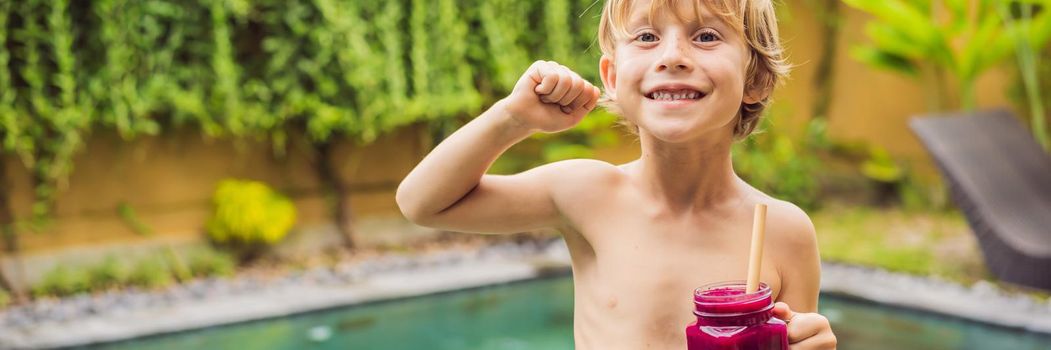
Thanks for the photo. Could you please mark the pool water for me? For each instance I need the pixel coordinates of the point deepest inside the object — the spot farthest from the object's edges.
(539, 315)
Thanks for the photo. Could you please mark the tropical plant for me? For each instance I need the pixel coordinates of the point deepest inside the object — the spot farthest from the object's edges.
(944, 43)
(1026, 52)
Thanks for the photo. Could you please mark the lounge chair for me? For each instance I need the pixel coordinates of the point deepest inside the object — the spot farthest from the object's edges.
(1001, 179)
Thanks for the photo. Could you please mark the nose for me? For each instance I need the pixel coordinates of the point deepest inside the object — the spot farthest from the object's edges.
(673, 58)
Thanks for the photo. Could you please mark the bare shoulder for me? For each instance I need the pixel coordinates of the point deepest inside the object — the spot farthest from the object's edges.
(577, 173)
(791, 222)
(576, 182)
(788, 227)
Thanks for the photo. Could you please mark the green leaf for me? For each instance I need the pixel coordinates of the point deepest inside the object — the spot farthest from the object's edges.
(885, 60)
(894, 41)
(913, 20)
(982, 49)
(881, 167)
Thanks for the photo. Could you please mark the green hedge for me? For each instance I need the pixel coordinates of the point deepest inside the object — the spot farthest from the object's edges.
(324, 68)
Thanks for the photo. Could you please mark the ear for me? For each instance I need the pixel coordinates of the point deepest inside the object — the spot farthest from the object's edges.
(608, 73)
(754, 95)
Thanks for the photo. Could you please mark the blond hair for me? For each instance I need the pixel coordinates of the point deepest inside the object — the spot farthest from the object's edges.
(754, 20)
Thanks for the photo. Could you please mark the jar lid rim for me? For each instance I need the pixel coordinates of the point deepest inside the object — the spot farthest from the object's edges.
(700, 298)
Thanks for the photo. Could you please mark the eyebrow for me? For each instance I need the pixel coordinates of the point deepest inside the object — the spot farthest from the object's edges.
(705, 21)
(708, 21)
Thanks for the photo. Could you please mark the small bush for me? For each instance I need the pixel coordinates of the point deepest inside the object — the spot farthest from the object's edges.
(5, 298)
(176, 265)
(151, 273)
(249, 215)
(62, 281)
(111, 273)
(209, 262)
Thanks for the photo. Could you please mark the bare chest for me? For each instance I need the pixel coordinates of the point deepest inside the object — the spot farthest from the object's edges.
(636, 275)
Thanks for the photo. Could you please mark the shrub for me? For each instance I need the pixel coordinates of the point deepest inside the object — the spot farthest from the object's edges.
(62, 281)
(249, 215)
(151, 273)
(209, 262)
(111, 273)
(176, 265)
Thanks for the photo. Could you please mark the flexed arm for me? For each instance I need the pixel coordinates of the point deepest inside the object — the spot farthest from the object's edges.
(449, 188)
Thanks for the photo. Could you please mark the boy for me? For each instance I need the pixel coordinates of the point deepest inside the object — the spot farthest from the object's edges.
(689, 77)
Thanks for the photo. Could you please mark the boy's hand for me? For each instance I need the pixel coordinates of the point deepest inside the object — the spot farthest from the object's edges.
(549, 97)
(806, 330)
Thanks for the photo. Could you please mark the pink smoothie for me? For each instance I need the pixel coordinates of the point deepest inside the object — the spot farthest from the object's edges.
(728, 318)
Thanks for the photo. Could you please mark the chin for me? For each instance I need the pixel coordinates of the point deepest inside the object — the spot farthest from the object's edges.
(674, 130)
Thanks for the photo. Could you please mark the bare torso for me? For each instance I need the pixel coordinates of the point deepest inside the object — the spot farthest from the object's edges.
(636, 264)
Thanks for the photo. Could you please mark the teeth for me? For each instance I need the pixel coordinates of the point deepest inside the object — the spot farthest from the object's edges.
(677, 95)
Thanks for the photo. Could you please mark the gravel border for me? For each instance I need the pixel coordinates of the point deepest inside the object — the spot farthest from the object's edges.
(121, 315)
(983, 301)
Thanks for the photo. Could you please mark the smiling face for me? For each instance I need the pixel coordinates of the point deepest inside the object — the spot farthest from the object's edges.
(680, 70)
(677, 77)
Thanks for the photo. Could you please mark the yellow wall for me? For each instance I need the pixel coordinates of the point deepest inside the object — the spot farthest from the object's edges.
(168, 181)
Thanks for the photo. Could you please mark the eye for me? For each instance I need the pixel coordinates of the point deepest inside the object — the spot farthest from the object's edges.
(646, 37)
(707, 36)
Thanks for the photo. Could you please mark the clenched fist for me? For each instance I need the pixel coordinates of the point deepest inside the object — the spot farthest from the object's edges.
(550, 98)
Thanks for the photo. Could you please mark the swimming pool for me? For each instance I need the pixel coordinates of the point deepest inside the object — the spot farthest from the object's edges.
(538, 314)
